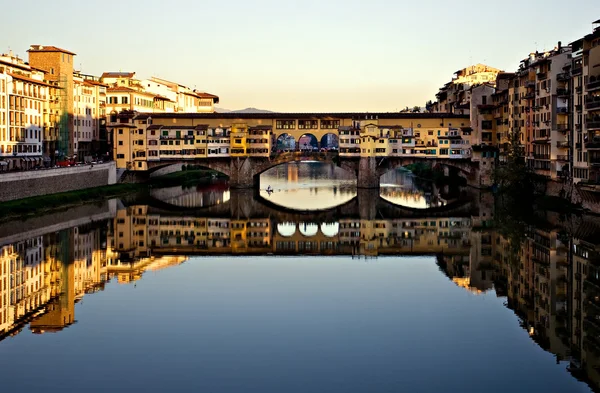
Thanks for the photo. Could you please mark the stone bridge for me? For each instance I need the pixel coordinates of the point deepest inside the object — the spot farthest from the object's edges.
(244, 172)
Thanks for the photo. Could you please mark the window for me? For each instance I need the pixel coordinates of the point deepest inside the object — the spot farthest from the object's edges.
(120, 155)
(285, 124)
(330, 124)
(120, 143)
(308, 124)
(124, 100)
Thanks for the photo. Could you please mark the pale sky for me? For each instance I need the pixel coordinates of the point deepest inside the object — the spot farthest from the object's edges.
(298, 56)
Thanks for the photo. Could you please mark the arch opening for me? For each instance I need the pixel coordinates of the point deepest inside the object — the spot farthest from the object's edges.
(308, 142)
(330, 142)
(285, 143)
(169, 168)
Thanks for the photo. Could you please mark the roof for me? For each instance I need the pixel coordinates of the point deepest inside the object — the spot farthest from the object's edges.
(27, 79)
(93, 82)
(321, 115)
(128, 90)
(48, 48)
(180, 127)
(118, 75)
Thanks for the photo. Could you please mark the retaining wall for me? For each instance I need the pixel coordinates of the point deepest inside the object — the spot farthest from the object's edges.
(27, 184)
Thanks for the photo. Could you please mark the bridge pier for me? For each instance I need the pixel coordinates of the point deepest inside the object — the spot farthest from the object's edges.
(241, 173)
(367, 176)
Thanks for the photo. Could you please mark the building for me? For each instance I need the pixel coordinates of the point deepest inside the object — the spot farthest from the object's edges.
(24, 95)
(57, 64)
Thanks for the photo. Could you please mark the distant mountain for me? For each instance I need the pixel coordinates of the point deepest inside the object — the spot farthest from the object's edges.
(247, 110)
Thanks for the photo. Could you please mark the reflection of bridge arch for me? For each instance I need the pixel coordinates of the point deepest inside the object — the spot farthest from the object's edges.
(367, 204)
(308, 229)
(286, 229)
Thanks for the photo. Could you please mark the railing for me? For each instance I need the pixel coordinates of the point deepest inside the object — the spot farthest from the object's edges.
(562, 110)
(562, 127)
(593, 85)
(593, 124)
(562, 157)
(562, 92)
(563, 76)
(593, 104)
(530, 83)
(563, 145)
(538, 156)
(594, 144)
(577, 70)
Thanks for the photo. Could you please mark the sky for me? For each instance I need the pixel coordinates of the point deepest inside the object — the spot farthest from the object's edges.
(298, 56)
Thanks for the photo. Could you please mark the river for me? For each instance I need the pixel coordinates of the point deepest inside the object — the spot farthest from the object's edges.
(314, 287)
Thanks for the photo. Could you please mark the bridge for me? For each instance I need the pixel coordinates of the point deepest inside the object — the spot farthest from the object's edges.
(242, 146)
(244, 172)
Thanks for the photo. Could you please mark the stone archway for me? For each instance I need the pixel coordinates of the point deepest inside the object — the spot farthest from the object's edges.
(308, 142)
(330, 141)
(285, 143)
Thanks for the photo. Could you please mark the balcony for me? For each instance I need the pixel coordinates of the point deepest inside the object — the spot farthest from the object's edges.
(592, 103)
(578, 89)
(564, 127)
(593, 84)
(530, 83)
(541, 75)
(563, 145)
(563, 77)
(593, 124)
(578, 107)
(594, 159)
(593, 144)
(539, 156)
(562, 92)
(577, 70)
(562, 157)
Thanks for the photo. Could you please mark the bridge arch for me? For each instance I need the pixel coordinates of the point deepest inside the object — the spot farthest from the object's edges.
(164, 167)
(285, 142)
(330, 141)
(308, 142)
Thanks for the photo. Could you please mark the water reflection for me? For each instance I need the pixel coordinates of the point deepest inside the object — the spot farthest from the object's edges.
(193, 197)
(401, 187)
(551, 281)
(308, 185)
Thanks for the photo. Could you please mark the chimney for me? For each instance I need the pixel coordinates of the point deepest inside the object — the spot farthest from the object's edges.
(559, 45)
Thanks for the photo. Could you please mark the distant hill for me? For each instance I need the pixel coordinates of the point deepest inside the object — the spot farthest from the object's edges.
(247, 110)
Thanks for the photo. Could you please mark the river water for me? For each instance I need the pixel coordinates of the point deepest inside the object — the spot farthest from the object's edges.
(315, 287)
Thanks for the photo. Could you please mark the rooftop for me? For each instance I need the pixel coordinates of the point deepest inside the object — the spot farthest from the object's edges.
(315, 115)
(118, 75)
(48, 48)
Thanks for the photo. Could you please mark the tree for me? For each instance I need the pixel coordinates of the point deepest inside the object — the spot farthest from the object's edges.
(416, 109)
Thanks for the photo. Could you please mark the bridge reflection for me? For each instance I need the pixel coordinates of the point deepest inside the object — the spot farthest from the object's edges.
(550, 280)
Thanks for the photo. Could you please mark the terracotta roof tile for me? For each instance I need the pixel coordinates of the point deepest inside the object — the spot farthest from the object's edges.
(48, 48)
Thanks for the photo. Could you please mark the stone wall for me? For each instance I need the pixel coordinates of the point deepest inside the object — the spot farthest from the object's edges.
(27, 184)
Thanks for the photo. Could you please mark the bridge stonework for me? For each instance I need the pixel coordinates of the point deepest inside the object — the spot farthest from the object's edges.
(244, 172)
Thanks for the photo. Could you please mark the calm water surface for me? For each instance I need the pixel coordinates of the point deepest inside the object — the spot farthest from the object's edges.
(207, 289)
